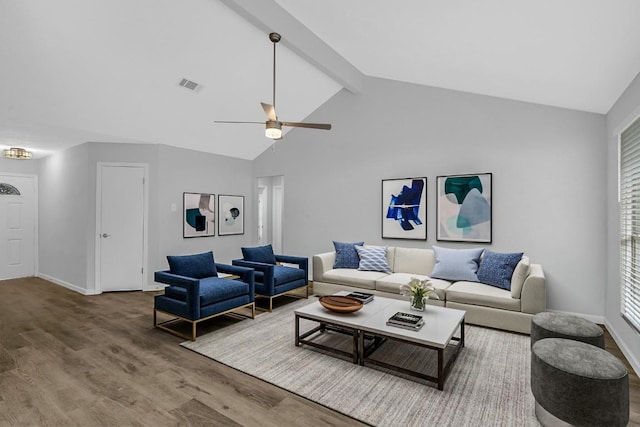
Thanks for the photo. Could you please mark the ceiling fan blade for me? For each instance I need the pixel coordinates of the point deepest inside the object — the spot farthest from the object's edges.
(227, 121)
(323, 126)
(270, 111)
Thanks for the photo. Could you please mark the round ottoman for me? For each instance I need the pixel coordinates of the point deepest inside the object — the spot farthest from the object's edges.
(579, 384)
(559, 325)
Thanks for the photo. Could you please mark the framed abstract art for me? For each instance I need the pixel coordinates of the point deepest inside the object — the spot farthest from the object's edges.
(198, 215)
(230, 215)
(463, 208)
(404, 208)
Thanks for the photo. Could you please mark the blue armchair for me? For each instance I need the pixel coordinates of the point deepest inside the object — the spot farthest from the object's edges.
(272, 279)
(196, 293)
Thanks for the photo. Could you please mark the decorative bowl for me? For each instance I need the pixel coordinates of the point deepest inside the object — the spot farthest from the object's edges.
(340, 304)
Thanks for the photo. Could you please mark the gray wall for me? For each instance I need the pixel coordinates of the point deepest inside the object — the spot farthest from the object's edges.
(193, 171)
(547, 165)
(67, 207)
(623, 113)
(29, 167)
(63, 217)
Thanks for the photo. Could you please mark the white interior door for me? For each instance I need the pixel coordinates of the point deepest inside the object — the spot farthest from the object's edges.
(262, 211)
(120, 228)
(18, 217)
(278, 207)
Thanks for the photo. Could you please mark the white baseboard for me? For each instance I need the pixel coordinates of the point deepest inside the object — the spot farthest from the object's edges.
(67, 285)
(595, 319)
(632, 358)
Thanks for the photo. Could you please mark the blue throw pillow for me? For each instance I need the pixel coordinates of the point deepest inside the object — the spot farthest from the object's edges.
(456, 264)
(346, 255)
(496, 269)
(259, 254)
(197, 266)
(373, 258)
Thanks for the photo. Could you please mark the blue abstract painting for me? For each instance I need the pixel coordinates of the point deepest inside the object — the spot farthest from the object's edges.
(464, 208)
(404, 208)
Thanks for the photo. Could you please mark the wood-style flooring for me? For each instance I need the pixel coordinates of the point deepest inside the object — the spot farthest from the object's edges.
(72, 360)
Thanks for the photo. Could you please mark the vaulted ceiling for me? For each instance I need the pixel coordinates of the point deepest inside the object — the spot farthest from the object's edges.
(108, 70)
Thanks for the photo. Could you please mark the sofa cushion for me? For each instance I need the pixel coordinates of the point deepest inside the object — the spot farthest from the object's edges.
(392, 283)
(497, 268)
(414, 260)
(520, 274)
(283, 274)
(355, 278)
(456, 264)
(212, 290)
(346, 255)
(259, 254)
(373, 258)
(484, 295)
(197, 266)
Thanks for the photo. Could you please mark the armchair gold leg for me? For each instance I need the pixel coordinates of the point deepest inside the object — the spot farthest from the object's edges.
(194, 323)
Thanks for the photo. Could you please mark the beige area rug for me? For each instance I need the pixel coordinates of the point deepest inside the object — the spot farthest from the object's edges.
(488, 384)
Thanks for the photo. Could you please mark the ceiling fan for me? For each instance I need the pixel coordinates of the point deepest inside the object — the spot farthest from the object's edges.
(273, 126)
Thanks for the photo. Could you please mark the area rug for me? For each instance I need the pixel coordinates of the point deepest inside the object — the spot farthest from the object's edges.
(488, 384)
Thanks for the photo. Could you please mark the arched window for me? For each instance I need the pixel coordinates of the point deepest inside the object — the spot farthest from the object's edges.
(8, 190)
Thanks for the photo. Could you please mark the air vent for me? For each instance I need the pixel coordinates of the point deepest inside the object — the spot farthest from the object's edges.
(191, 85)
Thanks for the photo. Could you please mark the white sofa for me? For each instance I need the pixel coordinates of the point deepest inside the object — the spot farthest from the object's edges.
(485, 305)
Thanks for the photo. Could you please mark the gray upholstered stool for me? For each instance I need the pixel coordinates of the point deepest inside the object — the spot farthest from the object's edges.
(579, 384)
(559, 325)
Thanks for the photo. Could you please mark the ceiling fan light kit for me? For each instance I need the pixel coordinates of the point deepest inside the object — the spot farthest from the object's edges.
(273, 127)
(273, 130)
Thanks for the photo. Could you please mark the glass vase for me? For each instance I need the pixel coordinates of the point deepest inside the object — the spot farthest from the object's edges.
(418, 304)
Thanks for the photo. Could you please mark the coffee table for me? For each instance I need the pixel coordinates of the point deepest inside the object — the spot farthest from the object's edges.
(368, 330)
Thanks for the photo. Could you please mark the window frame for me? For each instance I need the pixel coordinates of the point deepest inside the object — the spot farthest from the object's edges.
(629, 222)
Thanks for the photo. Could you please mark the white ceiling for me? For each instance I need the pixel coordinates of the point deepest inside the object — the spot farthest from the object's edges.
(107, 70)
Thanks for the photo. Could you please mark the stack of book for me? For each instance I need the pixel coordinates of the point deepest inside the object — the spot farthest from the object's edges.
(361, 296)
(406, 320)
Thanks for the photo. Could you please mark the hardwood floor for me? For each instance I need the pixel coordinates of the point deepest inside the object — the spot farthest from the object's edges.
(73, 360)
(634, 382)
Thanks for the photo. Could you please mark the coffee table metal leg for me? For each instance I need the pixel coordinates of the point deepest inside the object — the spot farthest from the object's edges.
(462, 333)
(355, 346)
(297, 331)
(440, 369)
(361, 348)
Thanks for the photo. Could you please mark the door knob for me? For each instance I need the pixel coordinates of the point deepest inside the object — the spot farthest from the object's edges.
(105, 235)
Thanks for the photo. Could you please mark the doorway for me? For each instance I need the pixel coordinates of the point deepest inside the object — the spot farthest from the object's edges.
(121, 212)
(18, 225)
(271, 211)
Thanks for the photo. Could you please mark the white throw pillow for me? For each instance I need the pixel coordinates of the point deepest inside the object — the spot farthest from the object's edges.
(373, 258)
(519, 275)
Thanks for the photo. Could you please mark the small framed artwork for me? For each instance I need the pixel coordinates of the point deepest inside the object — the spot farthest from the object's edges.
(463, 208)
(404, 208)
(199, 215)
(230, 215)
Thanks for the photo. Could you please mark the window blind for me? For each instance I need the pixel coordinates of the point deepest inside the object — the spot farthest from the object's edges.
(630, 224)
